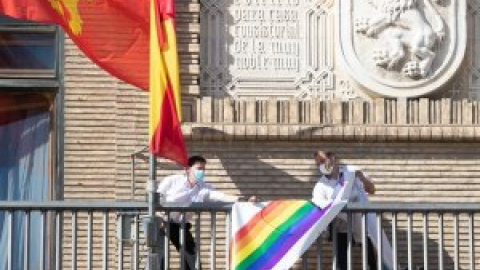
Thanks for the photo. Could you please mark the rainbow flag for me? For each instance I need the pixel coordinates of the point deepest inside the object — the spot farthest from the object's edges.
(278, 234)
(273, 235)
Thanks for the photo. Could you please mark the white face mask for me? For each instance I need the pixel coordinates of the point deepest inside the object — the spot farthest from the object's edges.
(325, 168)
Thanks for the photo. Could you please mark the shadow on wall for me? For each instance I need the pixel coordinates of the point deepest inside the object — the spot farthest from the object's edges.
(273, 169)
(262, 174)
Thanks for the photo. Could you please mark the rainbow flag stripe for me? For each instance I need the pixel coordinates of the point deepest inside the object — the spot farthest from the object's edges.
(263, 241)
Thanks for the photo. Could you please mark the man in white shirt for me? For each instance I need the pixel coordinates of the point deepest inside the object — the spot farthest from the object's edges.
(324, 190)
(189, 187)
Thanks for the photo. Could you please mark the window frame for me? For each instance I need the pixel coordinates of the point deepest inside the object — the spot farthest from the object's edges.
(54, 84)
(32, 78)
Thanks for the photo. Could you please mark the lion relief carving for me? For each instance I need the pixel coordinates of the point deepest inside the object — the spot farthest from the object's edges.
(409, 38)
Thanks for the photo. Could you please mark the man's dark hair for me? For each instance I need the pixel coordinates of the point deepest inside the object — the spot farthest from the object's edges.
(196, 159)
(328, 154)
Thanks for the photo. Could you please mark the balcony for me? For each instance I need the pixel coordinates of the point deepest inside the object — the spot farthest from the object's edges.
(110, 235)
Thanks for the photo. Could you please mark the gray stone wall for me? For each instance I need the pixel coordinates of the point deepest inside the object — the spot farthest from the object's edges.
(415, 149)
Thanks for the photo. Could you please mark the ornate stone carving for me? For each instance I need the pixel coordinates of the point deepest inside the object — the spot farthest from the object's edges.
(405, 48)
(406, 30)
(267, 48)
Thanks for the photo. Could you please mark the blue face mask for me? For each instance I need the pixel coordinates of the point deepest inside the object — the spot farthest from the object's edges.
(199, 175)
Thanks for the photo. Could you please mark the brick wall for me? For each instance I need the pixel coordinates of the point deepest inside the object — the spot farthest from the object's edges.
(415, 150)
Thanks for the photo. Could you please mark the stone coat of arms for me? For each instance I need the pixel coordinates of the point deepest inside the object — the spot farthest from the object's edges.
(402, 48)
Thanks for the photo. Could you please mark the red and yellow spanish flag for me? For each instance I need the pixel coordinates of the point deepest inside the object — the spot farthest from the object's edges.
(166, 138)
(112, 33)
(134, 40)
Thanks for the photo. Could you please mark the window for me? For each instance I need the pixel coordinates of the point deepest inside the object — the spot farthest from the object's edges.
(27, 50)
(31, 109)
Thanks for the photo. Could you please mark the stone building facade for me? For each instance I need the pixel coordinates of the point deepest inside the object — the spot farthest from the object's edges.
(259, 134)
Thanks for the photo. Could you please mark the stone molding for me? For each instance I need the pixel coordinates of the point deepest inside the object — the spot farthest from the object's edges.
(377, 120)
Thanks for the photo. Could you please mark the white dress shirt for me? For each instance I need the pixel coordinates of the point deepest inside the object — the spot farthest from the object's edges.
(323, 193)
(177, 189)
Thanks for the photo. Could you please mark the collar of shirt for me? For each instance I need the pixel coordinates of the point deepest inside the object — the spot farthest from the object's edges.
(332, 180)
(186, 184)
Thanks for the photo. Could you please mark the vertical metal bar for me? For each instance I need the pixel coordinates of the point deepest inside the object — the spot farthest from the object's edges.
(440, 241)
(319, 253)
(89, 240)
(425, 241)
(74, 240)
(334, 246)
(58, 240)
(197, 241)
(213, 225)
(379, 241)
(166, 264)
(152, 200)
(136, 263)
(304, 261)
(152, 177)
(471, 240)
(182, 242)
(455, 228)
(228, 235)
(105, 240)
(120, 244)
(43, 226)
(10, 240)
(349, 241)
(409, 241)
(364, 240)
(26, 248)
(394, 241)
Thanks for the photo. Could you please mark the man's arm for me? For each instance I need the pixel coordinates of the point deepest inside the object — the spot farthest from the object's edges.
(318, 195)
(367, 182)
(164, 185)
(222, 197)
(218, 196)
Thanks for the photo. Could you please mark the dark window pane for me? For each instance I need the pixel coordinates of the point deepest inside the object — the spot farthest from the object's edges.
(26, 49)
(15, 107)
(11, 21)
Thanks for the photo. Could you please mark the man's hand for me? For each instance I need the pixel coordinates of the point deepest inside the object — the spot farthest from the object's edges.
(358, 173)
(367, 183)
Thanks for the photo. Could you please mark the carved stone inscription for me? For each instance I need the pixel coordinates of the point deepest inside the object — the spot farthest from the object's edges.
(266, 48)
(266, 36)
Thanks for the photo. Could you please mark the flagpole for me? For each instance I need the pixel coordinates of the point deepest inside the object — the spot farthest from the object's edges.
(152, 178)
(153, 225)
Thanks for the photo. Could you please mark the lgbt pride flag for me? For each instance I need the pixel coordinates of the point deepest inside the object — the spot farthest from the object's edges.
(274, 235)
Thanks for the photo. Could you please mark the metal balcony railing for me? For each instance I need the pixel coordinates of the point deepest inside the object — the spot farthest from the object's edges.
(110, 235)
